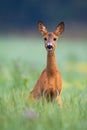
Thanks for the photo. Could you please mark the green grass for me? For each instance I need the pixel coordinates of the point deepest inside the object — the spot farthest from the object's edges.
(21, 62)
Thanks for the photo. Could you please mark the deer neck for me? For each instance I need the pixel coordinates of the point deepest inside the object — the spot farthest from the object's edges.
(51, 63)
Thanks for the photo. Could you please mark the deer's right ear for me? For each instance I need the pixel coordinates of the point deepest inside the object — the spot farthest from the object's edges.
(42, 29)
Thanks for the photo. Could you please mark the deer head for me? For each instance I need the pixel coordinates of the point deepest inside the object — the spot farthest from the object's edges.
(50, 38)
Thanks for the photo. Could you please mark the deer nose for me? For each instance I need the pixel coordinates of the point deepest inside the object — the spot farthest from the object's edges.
(49, 46)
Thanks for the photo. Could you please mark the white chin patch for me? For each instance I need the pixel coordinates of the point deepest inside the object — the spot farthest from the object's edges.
(49, 49)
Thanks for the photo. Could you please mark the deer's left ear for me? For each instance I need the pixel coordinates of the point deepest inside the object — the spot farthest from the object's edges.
(59, 29)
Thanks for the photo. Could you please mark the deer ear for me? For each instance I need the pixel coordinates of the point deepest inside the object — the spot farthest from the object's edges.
(42, 29)
(59, 29)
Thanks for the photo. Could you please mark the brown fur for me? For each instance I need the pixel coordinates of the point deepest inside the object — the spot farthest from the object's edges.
(49, 84)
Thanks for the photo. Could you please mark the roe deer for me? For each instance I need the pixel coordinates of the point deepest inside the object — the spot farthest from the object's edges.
(49, 84)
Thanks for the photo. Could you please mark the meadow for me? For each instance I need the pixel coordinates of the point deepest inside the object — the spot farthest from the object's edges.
(21, 62)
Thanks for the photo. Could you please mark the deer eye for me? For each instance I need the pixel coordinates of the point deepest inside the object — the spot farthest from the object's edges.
(45, 39)
(54, 39)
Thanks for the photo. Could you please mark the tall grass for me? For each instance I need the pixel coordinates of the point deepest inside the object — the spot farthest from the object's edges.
(21, 62)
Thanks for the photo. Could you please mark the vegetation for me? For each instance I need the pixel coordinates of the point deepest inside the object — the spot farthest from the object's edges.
(21, 62)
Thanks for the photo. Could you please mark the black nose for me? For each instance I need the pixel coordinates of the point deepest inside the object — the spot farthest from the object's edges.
(49, 46)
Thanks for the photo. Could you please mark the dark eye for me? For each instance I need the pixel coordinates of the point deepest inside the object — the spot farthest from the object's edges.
(45, 39)
(54, 39)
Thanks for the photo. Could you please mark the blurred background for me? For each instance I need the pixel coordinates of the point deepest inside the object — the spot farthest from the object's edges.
(20, 39)
(21, 16)
(23, 57)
